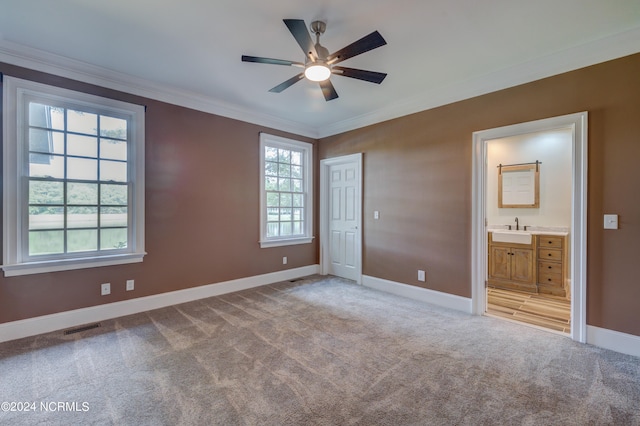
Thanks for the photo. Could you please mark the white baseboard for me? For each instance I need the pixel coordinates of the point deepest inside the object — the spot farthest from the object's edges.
(46, 323)
(613, 340)
(438, 298)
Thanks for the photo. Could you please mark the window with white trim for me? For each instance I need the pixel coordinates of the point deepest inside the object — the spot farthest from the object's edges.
(73, 179)
(286, 191)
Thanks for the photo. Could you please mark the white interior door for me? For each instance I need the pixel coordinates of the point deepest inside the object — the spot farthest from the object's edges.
(341, 199)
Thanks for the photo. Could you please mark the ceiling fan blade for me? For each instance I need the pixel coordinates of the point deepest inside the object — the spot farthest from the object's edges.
(328, 90)
(370, 76)
(280, 87)
(299, 31)
(365, 44)
(260, 60)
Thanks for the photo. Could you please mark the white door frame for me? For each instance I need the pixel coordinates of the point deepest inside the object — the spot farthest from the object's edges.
(578, 236)
(325, 246)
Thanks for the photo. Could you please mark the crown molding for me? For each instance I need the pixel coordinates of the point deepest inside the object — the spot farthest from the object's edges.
(601, 50)
(27, 57)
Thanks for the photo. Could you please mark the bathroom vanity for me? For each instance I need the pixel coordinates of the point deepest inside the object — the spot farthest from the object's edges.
(529, 261)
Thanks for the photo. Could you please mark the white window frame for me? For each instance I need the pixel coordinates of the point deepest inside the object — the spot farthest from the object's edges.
(15, 173)
(307, 161)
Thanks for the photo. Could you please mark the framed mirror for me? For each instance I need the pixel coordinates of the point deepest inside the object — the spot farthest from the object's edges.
(519, 186)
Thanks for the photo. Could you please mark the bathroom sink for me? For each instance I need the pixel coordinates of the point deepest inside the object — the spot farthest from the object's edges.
(516, 237)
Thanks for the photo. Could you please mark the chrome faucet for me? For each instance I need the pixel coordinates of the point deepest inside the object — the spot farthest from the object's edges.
(517, 225)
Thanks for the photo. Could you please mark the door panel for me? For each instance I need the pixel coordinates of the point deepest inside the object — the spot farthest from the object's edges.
(344, 219)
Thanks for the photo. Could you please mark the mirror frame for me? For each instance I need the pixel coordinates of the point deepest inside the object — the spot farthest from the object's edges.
(534, 168)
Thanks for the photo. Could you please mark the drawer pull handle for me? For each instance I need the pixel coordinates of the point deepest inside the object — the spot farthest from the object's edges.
(549, 267)
(549, 254)
(549, 279)
(550, 242)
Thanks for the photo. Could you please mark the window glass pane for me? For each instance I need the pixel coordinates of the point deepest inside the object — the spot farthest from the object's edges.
(273, 199)
(113, 171)
(84, 146)
(271, 154)
(46, 218)
(82, 122)
(43, 192)
(82, 169)
(272, 214)
(296, 172)
(113, 216)
(297, 214)
(298, 200)
(44, 165)
(113, 239)
(285, 200)
(285, 215)
(113, 194)
(271, 183)
(46, 141)
(46, 242)
(284, 156)
(273, 229)
(270, 169)
(82, 217)
(296, 158)
(82, 193)
(112, 127)
(115, 150)
(284, 170)
(296, 185)
(285, 229)
(285, 184)
(82, 240)
(297, 228)
(46, 116)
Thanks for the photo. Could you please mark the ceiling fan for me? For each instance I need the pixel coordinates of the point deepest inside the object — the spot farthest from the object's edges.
(319, 63)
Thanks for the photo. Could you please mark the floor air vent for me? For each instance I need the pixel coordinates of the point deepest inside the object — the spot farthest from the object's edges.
(82, 328)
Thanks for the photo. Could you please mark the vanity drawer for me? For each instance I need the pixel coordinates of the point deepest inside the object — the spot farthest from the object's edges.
(550, 279)
(550, 254)
(549, 267)
(549, 241)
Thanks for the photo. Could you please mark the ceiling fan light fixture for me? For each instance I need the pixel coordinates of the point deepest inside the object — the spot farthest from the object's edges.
(317, 71)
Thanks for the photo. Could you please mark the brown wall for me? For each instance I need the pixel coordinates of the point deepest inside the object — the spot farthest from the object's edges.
(202, 197)
(417, 173)
(202, 223)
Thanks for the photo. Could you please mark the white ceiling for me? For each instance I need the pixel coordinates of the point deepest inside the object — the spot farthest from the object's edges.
(439, 51)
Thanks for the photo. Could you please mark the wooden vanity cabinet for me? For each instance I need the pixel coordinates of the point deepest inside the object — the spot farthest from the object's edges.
(552, 264)
(512, 266)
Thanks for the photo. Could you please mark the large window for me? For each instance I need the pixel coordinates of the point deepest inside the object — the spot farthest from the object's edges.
(73, 179)
(285, 191)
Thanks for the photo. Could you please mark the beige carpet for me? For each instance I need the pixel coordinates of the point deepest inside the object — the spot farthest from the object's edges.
(317, 351)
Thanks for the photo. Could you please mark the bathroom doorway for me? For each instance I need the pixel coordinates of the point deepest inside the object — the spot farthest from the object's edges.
(539, 292)
(536, 275)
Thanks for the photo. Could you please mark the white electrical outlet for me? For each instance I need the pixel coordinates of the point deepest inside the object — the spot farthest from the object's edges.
(105, 289)
(284, 260)
(421, 275)
(376, 215)
(610, 221)
(130, 285)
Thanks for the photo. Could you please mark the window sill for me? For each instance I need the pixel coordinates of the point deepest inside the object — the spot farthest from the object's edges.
(70, 264)
(287, 242)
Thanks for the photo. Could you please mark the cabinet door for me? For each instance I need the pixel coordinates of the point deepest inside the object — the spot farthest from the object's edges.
(499, 263)
(522, 265)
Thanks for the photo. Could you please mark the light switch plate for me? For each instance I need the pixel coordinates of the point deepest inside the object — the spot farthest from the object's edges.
(610, 221)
